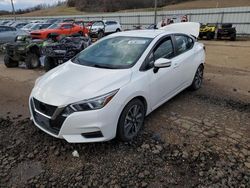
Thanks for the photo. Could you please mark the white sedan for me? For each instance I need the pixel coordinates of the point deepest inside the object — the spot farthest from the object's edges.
(107, 90)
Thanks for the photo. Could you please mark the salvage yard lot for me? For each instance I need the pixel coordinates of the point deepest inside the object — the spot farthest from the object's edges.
(197, 139)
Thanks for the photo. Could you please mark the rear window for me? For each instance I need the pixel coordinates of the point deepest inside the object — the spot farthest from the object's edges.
(183, 43)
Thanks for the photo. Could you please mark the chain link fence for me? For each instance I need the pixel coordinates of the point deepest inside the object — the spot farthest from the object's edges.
(238, 16)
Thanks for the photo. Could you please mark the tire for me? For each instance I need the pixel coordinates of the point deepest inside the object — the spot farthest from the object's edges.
(49, 63)
(198, 79)
(10, 63)
(32, 61)
(80, 33)
(118, 30)
(131, 120)
(100, 34)
(233, 37)
(209, 36)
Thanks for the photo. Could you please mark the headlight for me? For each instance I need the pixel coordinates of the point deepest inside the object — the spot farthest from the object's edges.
(90, 104)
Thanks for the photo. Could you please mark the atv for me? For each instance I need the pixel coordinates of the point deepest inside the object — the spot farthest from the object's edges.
(66, 48)
(227, 31)
(208, 31)
(24, 49)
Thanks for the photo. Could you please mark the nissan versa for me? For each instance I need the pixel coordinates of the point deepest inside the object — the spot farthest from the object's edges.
(107, 90)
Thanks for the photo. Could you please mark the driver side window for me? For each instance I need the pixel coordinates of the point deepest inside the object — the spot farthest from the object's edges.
(67, 26)
(163, 50)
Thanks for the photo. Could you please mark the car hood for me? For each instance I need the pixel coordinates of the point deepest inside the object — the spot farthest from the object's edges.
(71, 83)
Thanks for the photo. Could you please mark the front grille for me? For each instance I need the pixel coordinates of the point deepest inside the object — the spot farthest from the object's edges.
(44, 108)
(51, 125)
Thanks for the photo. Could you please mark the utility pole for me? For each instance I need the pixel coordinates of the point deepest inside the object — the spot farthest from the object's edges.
(155, 12)
(13, 10)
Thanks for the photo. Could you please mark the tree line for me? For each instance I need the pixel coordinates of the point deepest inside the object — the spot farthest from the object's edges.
(31, 9)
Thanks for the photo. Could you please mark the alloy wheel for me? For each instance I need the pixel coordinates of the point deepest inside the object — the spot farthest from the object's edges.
(199, 77)
(133, 120)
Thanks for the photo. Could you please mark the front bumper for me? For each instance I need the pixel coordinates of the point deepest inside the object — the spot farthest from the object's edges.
(79, 127)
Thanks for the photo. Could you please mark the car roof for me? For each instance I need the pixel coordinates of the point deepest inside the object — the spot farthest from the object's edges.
(142, 33)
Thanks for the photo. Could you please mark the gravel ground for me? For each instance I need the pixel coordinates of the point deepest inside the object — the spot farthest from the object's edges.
(198, 139)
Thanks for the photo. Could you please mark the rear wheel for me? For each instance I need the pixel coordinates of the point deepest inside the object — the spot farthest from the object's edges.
(198, 78)
(49, 63)
(210, 36)
(131, 120)
(10, 63)
(233, 37)
(100, 34)
(118, 30)
(32, 61)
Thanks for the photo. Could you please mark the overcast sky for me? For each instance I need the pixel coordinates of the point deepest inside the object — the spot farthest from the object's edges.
(20, 4)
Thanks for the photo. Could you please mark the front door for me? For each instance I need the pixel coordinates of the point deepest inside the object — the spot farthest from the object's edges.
(162, 84)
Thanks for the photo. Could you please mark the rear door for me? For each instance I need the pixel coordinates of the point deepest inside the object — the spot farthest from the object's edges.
(184, 59)
(110, 27)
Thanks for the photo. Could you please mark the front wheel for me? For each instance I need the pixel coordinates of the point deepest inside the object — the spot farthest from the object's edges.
(131, 120)
(49, 63)
(10, 63)
(32, 61)
(198, 78)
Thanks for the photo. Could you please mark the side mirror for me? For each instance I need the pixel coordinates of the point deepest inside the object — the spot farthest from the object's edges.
(162, 63)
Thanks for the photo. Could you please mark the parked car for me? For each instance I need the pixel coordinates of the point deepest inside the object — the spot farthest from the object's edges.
(27, 27)
(53, 20)
(112, 26)
(109, 88)
(9, 34)
(227, 31)
(36, 26)
(19, 25)
(101, 28)
(4, 22)
(9, 23)
(61, 29)
(97, 29)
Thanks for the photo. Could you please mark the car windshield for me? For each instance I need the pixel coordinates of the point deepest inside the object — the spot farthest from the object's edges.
(113, 53)
(54, 26)
(36, 26)
(28, 26)
(98, 24)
